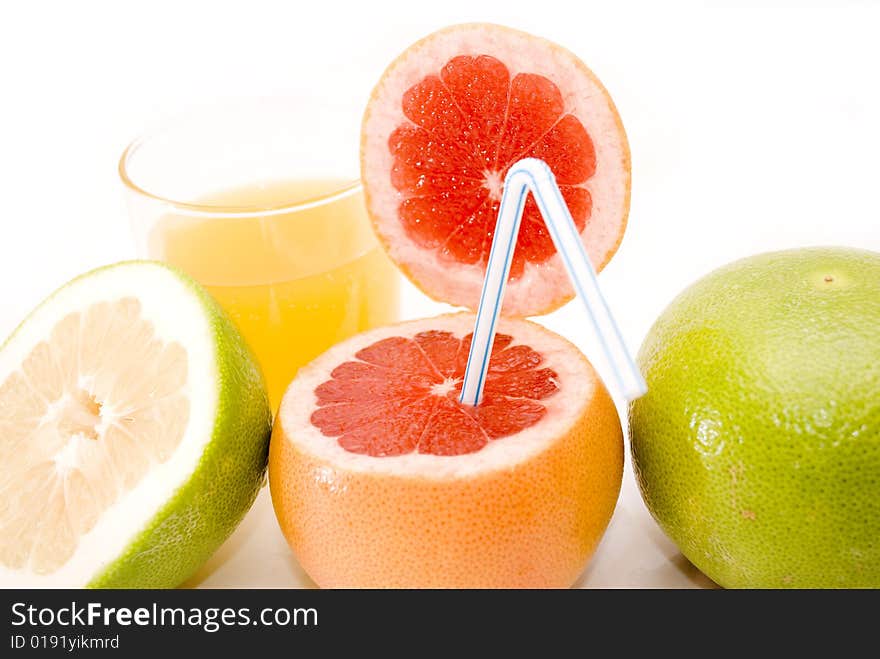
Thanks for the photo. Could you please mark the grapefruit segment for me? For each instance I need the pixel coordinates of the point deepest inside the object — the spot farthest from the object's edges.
(381, 478)
(445, 123)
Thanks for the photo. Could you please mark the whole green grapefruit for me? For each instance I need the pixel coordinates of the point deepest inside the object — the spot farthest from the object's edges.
(757, 446)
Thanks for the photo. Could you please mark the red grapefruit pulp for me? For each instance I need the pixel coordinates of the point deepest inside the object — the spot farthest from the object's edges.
(447, 121)
(472, 122)
(401, 395)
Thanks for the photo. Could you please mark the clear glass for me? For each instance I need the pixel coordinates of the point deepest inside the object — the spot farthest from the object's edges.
(260, 201)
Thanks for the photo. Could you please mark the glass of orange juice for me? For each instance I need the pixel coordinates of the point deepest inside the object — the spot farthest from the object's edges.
(260, 201)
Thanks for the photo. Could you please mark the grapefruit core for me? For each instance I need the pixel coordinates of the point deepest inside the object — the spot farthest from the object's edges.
(445, 123)
(381, 478)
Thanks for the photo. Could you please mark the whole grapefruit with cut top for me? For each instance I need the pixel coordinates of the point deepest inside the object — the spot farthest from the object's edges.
(757, 446)
(443, 126)
(381, 478)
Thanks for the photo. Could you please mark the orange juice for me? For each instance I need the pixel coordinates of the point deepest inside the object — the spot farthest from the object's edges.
(295, 278)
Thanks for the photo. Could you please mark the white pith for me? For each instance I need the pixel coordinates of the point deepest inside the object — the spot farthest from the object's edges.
(177, 315)
(540, 284)
(576, 379)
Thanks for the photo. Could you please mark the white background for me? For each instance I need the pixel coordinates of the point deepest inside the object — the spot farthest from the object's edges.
(753, 127)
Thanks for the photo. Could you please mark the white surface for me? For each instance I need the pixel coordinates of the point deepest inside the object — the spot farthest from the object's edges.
(752, 128)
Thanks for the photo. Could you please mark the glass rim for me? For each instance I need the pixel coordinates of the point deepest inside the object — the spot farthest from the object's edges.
(208, 210)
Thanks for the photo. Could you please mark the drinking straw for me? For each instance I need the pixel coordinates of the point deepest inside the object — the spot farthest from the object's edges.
(531, 174)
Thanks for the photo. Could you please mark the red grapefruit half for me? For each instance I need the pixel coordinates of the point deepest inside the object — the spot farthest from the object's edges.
(444, 124)
(380, 478)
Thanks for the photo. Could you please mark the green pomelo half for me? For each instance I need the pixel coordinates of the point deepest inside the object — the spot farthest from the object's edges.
(134, 429)
(757, 447)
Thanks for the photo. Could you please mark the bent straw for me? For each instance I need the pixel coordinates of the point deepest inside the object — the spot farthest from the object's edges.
(531, 174)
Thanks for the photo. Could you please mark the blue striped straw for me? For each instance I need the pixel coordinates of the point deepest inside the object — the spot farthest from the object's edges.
(531, 174)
